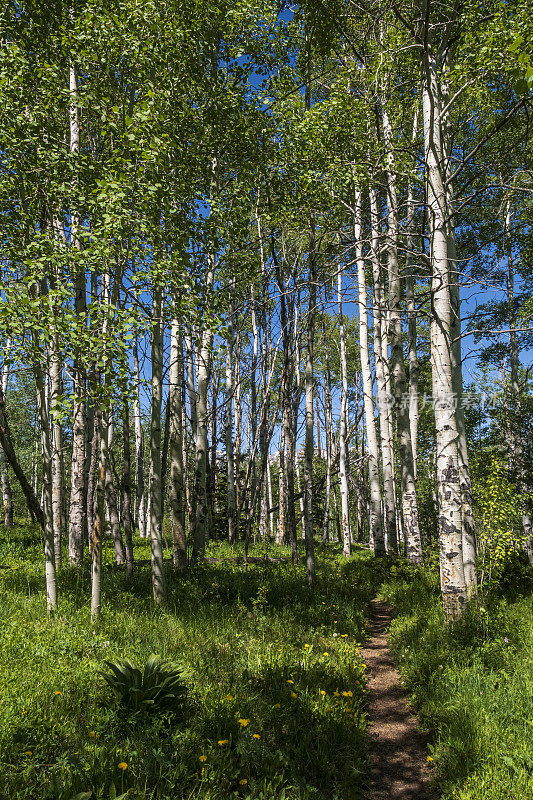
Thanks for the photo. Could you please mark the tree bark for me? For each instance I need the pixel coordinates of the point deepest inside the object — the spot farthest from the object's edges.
(453, 585)
(126, 489)
(343, 430)
(177, 474)
(140, 511)
(408, 485)
(376, 523)
(156, 522)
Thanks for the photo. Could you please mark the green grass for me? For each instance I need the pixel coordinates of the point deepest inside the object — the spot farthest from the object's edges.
(252, 637)
(472, 683)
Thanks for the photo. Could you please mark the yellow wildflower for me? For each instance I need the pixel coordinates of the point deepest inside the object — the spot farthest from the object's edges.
(229, 697)
(222, 742)
(244, 722)
(293, 694)
(349, 694)
(429, 758)
(92, 734)
(202, 759)
(289, 681)
(277, 705)
(322, 692)
(256, 735)
(345, 694)
(58, 692)
(326, 654)
(243, 782)
(336, 693)
(123, 766)
(28, 753)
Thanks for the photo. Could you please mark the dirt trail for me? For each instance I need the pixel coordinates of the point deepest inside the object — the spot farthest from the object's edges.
(398, 749)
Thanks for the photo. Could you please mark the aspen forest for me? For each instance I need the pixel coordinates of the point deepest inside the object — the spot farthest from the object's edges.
(266, 400)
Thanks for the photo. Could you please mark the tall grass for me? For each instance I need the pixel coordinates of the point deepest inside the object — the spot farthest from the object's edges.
(259, 645)
(472, 683)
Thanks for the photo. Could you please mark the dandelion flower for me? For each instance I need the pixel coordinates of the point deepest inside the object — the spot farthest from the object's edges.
(24, 711)
(256, 735)
(92, 734)
(243, 782)
(57, 692)
(203, 759)
(345, 694)
(289, 681)
(306, 645)
(322, 692)
(229, 697)
(293, 694)
(277, 705)
(336, 693)
(123, 766)
(244, 722)
(349, 693)
(429, 758)
(222, 742)
(28, 753)
(326, 654)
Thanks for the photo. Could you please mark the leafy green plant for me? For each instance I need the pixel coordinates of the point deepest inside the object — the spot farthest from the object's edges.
(160, 688)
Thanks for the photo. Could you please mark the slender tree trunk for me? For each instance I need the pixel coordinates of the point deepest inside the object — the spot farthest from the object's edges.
(376, 524)
(156, 522)
(100, 437)
(177, 473)
(309, 411)
(111, 499)
(328, 435)
(140, 511)
(381, 359)
(126, 489)
(237, 408)
(46, 453)
(77, 518)
(7, 497)
(411, 315)
(343, 429)
(453, 586)
(203, 367)
(230, 460)
(408, 485)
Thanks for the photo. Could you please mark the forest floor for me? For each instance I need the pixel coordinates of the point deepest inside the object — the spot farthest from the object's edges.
(286, 690)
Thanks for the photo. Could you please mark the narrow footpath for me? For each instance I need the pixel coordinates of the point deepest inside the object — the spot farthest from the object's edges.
(398, 749)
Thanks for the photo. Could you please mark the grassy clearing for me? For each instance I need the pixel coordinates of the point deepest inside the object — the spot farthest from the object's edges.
(472, 683)
(259, 645)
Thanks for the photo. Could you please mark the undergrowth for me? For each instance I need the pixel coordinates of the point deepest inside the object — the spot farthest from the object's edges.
(275, 701)
(472, 682)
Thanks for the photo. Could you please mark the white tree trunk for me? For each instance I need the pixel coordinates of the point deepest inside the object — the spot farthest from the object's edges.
(343, 430)
(376, 522)
(139, 445)
(453, 584)
(381, 359)
(156, 522)
(230, 460)
(177, 474)
(408, 485)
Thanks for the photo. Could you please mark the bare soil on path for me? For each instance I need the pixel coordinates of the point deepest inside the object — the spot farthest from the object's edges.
(398, 749)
